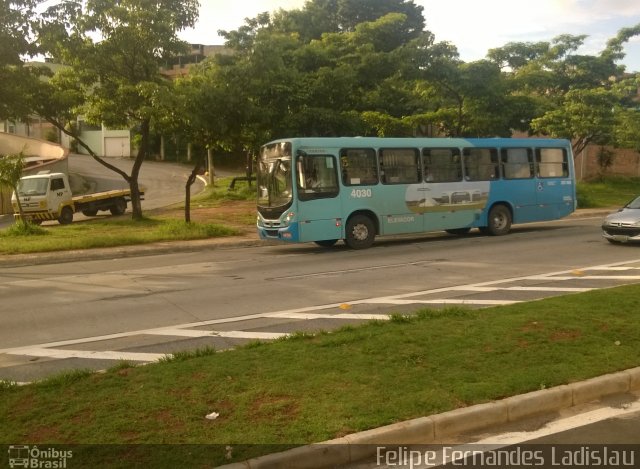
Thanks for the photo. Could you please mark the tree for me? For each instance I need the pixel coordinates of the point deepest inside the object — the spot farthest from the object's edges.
(116, 80)
(15, 33)
(585, 116)
(10, 173)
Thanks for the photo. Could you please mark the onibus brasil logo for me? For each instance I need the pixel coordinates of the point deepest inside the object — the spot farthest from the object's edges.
(34, 457)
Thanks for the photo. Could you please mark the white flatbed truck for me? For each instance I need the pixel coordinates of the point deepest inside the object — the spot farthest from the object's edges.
(47, 196)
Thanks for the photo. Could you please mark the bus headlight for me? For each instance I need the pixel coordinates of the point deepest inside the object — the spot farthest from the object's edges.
(288, 219)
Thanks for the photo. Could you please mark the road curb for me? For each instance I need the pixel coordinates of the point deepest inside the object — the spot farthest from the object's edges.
(152, 249)
(427, 430)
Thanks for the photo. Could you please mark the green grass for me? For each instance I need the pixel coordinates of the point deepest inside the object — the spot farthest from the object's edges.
(607, 192)
(311, 388)
(106, 233)
(22, 238)
(213, 196)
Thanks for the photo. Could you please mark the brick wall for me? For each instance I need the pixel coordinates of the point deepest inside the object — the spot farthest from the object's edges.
(625, 162)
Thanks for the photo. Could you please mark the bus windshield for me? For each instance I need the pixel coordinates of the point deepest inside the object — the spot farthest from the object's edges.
(274, 177)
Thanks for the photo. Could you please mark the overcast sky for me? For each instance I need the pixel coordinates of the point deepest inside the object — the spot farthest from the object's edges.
(473, 26)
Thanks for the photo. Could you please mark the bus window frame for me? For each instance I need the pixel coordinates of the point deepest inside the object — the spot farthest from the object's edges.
(371, 179)
(429, 176)
(530, 163)
(564, 164)
(306, 193)
(494, 154)
(382, 171)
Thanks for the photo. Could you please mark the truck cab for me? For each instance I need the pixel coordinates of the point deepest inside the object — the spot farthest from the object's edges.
(45, 196)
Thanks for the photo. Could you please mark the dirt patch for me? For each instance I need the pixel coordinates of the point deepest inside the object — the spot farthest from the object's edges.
(565, 335)
(238, 214)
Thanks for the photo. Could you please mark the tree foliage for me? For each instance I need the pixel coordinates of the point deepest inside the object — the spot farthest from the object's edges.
(114, 80)
(11, 167)
(333, 67)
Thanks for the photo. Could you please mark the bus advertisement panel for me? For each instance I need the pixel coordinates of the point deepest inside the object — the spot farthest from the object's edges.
(353, 188)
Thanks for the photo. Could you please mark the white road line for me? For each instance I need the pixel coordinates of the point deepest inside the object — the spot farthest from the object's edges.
(229, 334)
(438, 301)
(584, 277)
(307, 316)
(562, 425)
(550, 289)
(95, 355)
(455, 455)
(307, 312)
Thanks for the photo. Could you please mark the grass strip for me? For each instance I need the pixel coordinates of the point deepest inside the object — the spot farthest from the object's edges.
(310, 388)
(106, 233)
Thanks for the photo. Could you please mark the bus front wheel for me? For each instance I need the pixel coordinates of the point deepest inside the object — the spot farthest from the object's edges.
(360, 232)
(499, 221)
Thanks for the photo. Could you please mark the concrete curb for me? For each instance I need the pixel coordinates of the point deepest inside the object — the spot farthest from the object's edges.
(429, 430)
(152, 249)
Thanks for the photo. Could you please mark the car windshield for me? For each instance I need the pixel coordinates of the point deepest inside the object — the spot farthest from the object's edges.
(635, 203)
(33, 186)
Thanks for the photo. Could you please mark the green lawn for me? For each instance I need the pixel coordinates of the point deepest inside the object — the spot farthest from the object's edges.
(312, 388)
(608, 192)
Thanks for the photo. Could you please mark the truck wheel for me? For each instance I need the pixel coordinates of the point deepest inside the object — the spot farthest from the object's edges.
(66, 216)
(118, 207)
(90, 213)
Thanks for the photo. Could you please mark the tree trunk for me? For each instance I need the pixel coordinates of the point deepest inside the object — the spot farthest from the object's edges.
(136, 206)
(211, 178)
(197, 169)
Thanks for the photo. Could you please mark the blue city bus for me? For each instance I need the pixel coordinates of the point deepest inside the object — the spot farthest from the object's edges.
(354, 188)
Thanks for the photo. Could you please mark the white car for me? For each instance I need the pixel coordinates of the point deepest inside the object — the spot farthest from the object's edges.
(624, 225)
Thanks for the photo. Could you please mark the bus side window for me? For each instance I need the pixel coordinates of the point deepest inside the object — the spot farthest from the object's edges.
(399, 165)
(517, 163)
(481, 164)
(552, 162)
(442, 164)
(358, 166)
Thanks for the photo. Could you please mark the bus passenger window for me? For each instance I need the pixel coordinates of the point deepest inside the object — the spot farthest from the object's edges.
(442, 164)
(399, 166)
(552, 162)
(517, 163)
(481, 164)
(358, 166)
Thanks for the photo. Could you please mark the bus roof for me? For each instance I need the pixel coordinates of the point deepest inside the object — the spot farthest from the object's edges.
(497, 142)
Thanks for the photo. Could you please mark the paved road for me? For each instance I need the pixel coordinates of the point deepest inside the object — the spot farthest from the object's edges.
(91, 313)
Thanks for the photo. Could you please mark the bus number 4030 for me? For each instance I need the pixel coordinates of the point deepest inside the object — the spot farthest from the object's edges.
(360, 193)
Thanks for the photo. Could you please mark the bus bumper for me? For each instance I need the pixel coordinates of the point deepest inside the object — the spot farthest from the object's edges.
(290, 233)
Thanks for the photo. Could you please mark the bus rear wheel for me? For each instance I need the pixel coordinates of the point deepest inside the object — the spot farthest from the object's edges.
(360, 232)
(499, 221)
(326, 243)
